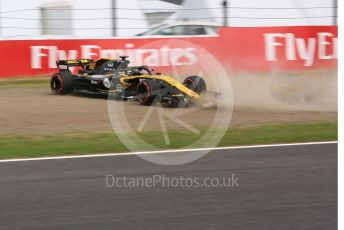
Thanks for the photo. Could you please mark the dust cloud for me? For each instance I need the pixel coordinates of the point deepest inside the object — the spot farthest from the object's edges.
(306, 91)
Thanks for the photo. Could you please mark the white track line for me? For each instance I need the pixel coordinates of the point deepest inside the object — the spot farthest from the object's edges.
(165, 151)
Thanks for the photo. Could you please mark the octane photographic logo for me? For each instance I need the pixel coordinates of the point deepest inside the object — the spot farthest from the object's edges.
(200, 124)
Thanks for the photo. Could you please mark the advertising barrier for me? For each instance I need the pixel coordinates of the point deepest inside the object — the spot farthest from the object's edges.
(254, 49)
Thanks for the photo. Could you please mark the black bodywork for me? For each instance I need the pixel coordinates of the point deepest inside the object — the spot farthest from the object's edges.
(92, 73)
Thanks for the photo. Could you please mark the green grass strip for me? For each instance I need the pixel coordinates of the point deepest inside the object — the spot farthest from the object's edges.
(12, 146)
(37, 82)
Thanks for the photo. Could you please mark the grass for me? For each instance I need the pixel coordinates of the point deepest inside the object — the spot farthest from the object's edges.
(26, 82)
(14, 146)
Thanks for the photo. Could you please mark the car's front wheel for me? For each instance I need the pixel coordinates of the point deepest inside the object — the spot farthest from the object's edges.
(195, 83)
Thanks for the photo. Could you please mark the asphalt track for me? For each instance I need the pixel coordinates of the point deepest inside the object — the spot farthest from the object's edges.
(289, 187)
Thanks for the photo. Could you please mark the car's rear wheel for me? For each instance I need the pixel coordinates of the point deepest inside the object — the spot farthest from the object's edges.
(62, 83)
(195, 83)
(147, 91)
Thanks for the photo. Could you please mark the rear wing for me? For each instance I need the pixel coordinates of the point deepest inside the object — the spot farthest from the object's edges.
(65, 64)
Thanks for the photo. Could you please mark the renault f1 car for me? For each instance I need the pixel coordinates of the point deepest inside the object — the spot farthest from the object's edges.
(117, 78)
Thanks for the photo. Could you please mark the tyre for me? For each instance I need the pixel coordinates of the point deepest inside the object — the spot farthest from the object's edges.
(147, 91)
(195, 83)
(62, 83)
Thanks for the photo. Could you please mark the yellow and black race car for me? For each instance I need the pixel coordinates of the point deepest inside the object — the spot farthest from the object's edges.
(118, 79)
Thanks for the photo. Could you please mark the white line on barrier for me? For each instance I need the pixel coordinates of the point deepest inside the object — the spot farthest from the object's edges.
(165, 151)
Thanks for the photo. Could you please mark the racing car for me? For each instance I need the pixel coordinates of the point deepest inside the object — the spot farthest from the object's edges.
(116, 78)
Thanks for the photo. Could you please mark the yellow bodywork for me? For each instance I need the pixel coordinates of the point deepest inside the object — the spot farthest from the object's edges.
(170, 80)
(76, 61)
